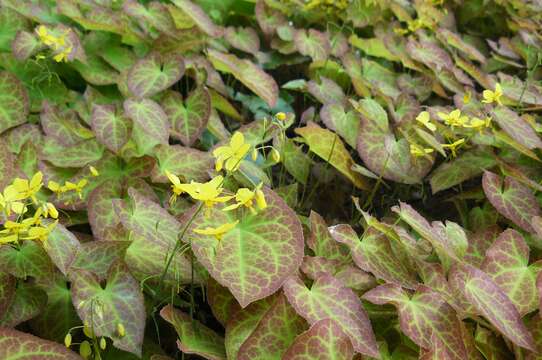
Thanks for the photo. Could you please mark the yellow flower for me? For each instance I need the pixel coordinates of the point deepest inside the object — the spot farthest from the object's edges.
(425, 119)
(254, 154)
(120, 330)
(45, 36)
(493, 96)
(281, 116)
(233, 154)
(478, 124)
(63, 55)
(246, 198)
(9, 201)
(176, 186)
(40, 232)
(453, 146)
(454, 118)
(418, 151)
(28, 189)
(217, 232)
(78, 188)
(467, 97)
(93, 171)
(208, 192)
(55, 187)
(49, 210)
(275, 155)
(68, 340)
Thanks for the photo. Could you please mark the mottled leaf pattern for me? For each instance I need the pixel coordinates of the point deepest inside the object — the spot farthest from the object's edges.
(151, 126)
(199, 17)
(14, 103)
(516, 127)
(16, 345)
(243, 38)
(312, 43)
(345, 123)
(189, 164)
(154, 73)
(111, 127)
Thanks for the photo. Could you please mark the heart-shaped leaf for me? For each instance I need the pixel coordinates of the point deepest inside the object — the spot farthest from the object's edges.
(63, 125)
(256, 257)
(325, 339)
(312, 43)
(104, 308)
(17, 345)
(222, 303)
(25, 45)
(61, 247)
(492, 302)
(14, 103)
(28, 260)
(28, 302)
(321, 242)
(513, 200)
(243, 38)
(328, 298)
(98, 256)
(189, 117)
(76, 155)
(326, 91)
(507, 262)
(111, 127)
(151, 125)
(516, 127)
(423, 317)
(154, 73)
(199, 17)
(345, 123)
(195, 338)
(190, 164)
(7, 291)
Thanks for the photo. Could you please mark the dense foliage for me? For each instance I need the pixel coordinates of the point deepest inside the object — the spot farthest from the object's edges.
(270, 179)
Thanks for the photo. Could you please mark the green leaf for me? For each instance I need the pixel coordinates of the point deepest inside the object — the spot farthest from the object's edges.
(321, 242)
(28, 302)
(426, 318)
(25, 45)
(103, 308)
(222, 303)
(325, 339)
(188, 118)
(7, 165)
(453, 39)
(17, 345)
(151, 126)
(296, 162)
(516, 127)
(430, 54)
(326, 91)
(312, 43)
(507, 262)
(248, 73)
(190, 164)
(11, 23)
(76, 155)
(7, 291)
(63, 125)
(195, 338)
(491, 302)
(29, 260)
(255, 257)
(243, 38)
(328, 146)
(111, 127)
(154, 73)
(468, 165)
(328, 298)
(345, 123)
(382, 152)
(61, 247)
(98, 256)
(373, 47)
(513, 200)
(14, 103)
(268, 18)
(199, 17)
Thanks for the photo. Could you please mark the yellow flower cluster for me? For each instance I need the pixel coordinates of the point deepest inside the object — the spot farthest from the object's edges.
(57, 43)
(326, 5)
(211, 193)
(15, 199)
(68, 186)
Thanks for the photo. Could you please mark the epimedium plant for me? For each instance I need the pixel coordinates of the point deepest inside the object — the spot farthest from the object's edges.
(270, 179)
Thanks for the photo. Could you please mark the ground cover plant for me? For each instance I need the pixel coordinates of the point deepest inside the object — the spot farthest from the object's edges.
(270, 179)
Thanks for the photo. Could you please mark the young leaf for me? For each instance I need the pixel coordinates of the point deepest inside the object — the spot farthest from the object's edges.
(111, 127)
(15, 344)
(103, 308)
(328, 298)
(151, 126)
(14, 103)
(513, 200)
(76, 155)
(324, 339)
(154, 73)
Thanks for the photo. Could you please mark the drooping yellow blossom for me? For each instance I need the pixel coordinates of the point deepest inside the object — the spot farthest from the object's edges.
(425, 119)
(68, 340)
(247, 198)
(454, 118)
(93, 171)
(9, 201)
(419, 151)
(78, 188)
(208, 192)
(217, 232)
(55, 187)
(176, 186)
(40, 232)
(45, 36)
(254, 155)
(28, 189)
(230, 156)
(63, 55)
(493, 96)
(453, 146)
(275, 155)
(49, 210)
(478, 124)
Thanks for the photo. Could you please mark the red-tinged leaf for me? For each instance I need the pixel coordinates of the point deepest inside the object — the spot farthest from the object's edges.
(257, 256)
(491, 302)
(507, 263)
(7, 291)
(312, 43)
(120, 302)
(324, 340)
(321, 242)
(28, 302)
(98, 256)
(479, 242)
(515, 89)
(14, 103)
(61, 246)
(154, 73)
(199, 17)
(513, 200)
(222, 303)
(453, 39)
(424, 317)
(190, 164)
(468, 165)
(268, 18)
(188, 118)
(329, 298)
(63, 125)
(491, 345)
(429, 54)
(243, 322)
(76, 155)
(274, 333)
(328, 146)
(375, 255)
(104, 221)
(28, 260)
(516, 127)
(326, 91)
(382, 152)
(19, 345)
(151, 125)
(195, 338)
(243, 38)
(11, 24)
(111, 126)
(25, 45)
(20, 135)
(7, 165)
(345, 123)
(261, 83)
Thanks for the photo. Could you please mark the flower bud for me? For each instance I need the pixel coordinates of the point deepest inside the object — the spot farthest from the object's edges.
(121, 330)
(103, 343)
(275, 155)
(281, 116)
(85, 350)
(68, 340)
